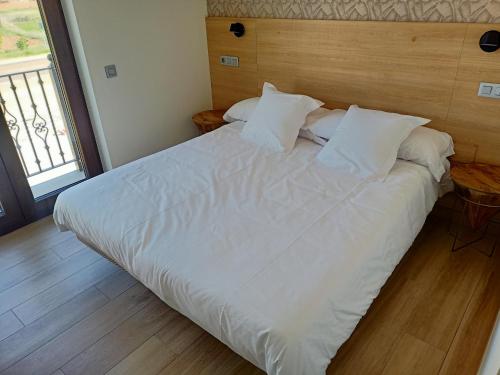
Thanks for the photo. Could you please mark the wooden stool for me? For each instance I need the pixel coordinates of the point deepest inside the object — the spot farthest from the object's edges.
(478, 186)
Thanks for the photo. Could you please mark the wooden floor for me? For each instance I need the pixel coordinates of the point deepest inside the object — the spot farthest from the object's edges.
(66, 310)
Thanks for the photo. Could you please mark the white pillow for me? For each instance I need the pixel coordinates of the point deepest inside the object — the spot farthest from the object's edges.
(366, 142)
(241, 111)
(315, 116)
(324, 124)
(270, 88)
(311, 119)
(276, 121)
(428, 147)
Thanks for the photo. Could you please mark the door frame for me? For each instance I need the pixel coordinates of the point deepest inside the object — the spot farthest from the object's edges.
(56, 28)
(13, 217)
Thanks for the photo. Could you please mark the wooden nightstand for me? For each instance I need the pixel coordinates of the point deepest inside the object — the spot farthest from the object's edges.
(478, 186)
(207, 121)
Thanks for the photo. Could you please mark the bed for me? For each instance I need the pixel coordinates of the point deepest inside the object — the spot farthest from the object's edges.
(274, 254)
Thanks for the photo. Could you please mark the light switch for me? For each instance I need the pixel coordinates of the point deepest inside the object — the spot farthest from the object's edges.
(489, 90)
(233, 61)
(111, 71)
(486, 90)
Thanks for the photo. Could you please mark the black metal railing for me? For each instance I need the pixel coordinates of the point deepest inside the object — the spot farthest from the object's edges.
(37, 120)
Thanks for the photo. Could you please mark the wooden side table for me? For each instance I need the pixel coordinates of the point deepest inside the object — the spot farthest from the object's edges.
(478, 186)
(207, 121)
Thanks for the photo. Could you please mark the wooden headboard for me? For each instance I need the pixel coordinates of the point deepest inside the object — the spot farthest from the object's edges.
(426, 69)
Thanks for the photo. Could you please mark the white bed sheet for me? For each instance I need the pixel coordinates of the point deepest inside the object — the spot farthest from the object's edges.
(275, 255)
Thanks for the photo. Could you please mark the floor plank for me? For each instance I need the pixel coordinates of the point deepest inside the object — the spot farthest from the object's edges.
(149, 359)
(179, 334)
(132, 333)
(196, 357)
(38, 333)
(27, 242)
(69, 247)
(51, 356)
(228, 362)
(31, 287)
(12, 257)
(436, 318)
(466, 351)
(9, 324)
(414, 357)
(24, 270)
(25, 235)
(115, 284)
(208, 355)
(64, 291)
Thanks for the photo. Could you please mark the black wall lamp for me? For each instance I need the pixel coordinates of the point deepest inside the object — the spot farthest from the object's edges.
(238, 29)
(490, 41)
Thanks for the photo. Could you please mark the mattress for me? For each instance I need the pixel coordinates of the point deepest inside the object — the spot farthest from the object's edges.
(274, 254)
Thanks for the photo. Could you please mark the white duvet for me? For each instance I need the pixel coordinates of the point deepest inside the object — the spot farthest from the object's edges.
(274, 254)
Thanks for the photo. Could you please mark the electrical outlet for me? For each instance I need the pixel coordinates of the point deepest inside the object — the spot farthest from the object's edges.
(233, 61)
(111, 71)
(489, 90)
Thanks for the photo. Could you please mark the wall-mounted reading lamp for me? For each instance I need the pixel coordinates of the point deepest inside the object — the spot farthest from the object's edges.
(490, 41)
(238, 29)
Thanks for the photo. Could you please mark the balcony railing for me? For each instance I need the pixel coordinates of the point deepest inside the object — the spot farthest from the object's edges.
(37, 121)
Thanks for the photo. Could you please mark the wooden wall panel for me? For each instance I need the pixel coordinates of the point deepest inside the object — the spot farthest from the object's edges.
(229, 84)
(411, 70)
(426, 69)
(471, 117)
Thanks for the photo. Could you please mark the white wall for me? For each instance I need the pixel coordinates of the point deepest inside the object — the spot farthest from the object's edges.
(160, 50)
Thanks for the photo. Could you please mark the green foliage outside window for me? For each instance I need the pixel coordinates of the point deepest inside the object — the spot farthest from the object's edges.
(21, 30)
(22, 44)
